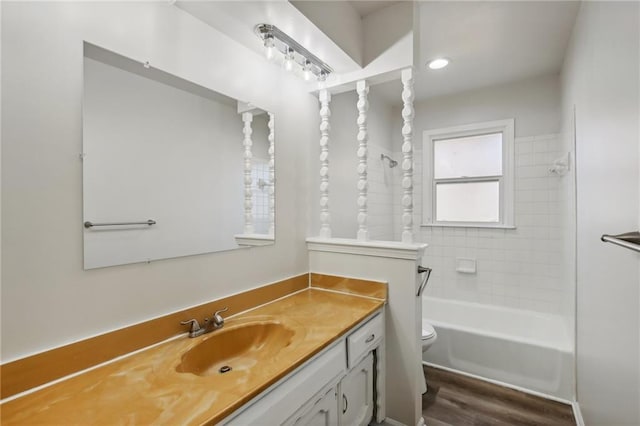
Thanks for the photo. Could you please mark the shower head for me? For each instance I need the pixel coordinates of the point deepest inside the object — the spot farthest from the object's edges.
(392, 162)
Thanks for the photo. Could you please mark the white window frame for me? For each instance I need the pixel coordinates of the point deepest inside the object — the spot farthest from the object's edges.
(507, 181)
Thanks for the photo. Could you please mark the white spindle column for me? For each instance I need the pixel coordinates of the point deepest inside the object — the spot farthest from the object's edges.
(407, 155)
(247, 118)
(272, 176)
(325, 113)
(363, 106)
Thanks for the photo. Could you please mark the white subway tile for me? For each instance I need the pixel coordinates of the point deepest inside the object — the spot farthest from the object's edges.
(539, 146)
(522, 268)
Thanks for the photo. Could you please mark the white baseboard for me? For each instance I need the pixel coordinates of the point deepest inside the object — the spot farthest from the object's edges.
(499, 383)
(577, 414)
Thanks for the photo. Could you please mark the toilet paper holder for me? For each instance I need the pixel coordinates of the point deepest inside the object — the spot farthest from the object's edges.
(423, 270)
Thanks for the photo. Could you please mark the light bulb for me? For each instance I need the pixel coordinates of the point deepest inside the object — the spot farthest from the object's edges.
(288, 59)
(306, 69)
(438, 63)
(269, 47)
(322, 76)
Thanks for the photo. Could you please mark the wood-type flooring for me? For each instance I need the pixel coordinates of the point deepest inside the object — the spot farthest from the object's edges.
(457, 400)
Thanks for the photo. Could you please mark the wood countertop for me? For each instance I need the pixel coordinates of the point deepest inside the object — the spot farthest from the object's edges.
(146, 388)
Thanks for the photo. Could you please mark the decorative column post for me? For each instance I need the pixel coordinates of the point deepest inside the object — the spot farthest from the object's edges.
(272, 176)
(247, 118)
(407, 155)
(325, 113)
(363, 106)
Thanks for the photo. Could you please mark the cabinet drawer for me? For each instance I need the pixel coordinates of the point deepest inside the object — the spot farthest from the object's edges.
(364, 339)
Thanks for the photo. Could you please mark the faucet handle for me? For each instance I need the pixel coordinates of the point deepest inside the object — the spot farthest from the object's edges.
(220, 311)
(195, 326)
(217, 319)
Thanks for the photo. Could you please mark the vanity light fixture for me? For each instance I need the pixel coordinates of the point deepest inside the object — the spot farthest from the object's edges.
(289, 57)
(294, 57)
(306, 70)
(269, 47)
(438, 63)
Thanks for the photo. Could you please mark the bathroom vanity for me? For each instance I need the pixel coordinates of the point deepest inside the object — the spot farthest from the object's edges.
(335, 387)
(313, 357)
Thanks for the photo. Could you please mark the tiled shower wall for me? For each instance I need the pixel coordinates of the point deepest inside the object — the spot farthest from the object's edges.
(380, 191)
(523, 268)
(518, 268)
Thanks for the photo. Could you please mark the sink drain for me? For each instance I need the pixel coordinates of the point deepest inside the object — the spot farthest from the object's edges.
(224, 369)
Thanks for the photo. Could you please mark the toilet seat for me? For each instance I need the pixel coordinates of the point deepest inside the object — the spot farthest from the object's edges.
(427, 331)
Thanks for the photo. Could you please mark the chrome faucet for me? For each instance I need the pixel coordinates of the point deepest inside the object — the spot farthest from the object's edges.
(215, 322)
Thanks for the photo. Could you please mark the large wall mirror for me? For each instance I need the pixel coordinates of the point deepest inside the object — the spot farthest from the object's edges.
(170, 168)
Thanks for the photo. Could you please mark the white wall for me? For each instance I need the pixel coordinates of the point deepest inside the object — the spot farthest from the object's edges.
(394, 264)
(0, 184)
(47, 298)
(391, 44)
(343, 162)
(385, 52)
(340, 22)
(601, 78)
(534, 103)
(260, 136)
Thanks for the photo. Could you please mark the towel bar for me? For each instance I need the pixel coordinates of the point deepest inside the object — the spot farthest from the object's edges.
(149, 222)
(630, 240)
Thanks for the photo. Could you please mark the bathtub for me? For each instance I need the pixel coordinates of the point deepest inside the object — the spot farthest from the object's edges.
(522, 349)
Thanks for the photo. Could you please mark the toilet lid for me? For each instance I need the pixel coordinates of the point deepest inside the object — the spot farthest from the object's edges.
(427, 331)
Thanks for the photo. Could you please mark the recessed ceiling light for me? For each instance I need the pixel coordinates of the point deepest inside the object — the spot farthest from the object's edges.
(438, 63)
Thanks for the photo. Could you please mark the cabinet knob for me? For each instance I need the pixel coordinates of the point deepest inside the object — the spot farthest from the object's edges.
(346, 403)
(370, 338)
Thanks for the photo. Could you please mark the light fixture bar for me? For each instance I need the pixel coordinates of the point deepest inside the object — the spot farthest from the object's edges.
(318, 67)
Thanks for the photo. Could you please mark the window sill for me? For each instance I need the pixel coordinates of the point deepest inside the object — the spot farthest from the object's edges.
(467, 225)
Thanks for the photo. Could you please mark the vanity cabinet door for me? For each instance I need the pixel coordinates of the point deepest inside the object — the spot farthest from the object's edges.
(285, 400)
(356, 394)
(323, 412)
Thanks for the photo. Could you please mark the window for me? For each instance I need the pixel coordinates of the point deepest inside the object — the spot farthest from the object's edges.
(468, 177)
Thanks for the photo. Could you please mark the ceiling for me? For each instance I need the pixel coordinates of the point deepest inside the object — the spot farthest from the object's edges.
(488, 43)
(238, 18)
(366, 7)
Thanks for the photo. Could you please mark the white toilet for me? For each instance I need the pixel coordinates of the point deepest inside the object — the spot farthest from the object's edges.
(429, 336)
